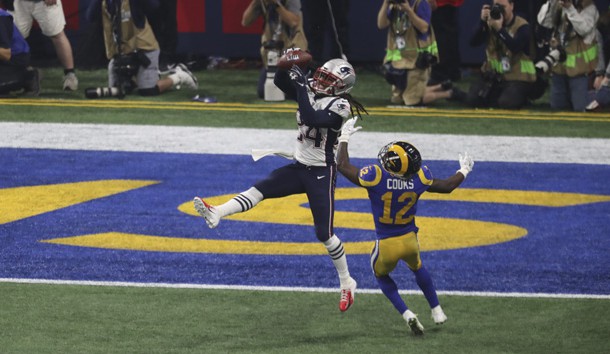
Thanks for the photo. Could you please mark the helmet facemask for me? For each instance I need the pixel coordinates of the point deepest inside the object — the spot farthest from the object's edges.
(334, 78)
(400, 159)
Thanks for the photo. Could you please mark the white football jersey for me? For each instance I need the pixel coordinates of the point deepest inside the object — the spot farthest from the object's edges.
(316, 146)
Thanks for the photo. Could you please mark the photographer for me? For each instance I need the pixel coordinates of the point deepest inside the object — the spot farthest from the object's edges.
(133, 50)
(508, 74)
(574, 52)
(411, 51)
(283, 29)
(15, 71)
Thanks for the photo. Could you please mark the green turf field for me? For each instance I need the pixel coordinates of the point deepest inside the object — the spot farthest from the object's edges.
(39, 318)
(45, 318)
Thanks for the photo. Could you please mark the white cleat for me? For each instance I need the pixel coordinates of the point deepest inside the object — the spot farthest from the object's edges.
(186, 77)
(207, 211)
(413, 323)
(70, 82)
(438, 315)
(347, 295)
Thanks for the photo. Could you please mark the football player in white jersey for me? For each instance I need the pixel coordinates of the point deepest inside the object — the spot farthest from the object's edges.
(323, 103)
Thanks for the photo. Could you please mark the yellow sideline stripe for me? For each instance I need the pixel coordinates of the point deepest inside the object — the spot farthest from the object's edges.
(289, 107)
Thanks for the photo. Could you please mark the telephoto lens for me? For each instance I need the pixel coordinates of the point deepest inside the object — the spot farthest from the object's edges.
(100, 92)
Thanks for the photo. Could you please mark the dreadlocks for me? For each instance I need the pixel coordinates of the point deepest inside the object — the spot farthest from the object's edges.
(354, 104)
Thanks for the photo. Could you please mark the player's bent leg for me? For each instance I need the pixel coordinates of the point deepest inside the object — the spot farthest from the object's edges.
(238, 204)
(335, 249)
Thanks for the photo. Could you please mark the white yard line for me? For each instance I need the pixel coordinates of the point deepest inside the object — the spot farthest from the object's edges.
(205, 140)
(286, 288)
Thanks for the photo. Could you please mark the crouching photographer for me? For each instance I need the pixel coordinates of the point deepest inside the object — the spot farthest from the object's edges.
(508, 74)
(573, 54)
(133, 51)
(410, 53)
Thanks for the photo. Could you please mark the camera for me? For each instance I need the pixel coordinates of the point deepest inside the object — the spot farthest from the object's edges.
(425, 60)
(497, 11)
(397, 2)
(557, 55)
(490, 80)
(125, 66)
(99, 92)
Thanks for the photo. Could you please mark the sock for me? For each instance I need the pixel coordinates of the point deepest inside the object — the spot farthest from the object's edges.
(67, 71)
(337, 254)
(175, 79)
(390, 290)
(240, 203)
(424, 280)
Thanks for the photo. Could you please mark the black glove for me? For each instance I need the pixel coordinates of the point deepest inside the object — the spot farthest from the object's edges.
(297, 77)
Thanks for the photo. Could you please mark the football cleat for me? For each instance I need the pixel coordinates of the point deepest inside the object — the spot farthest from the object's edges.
(70, 82)
(415, 326)
(438, 315)
(186, 77)
(413, 323)
(207, 211)
(347, 296)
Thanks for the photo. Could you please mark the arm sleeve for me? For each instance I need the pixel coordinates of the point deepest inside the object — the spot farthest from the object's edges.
(584, 22)
(520, 42)
(480, 35)
(6, 32)
(545, 15)
(282, 81)
(324, 118)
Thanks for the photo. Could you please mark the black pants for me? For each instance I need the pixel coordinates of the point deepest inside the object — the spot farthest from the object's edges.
(14, 78)
(165, 27)
(317, 27)
(317, 182)
(446, 29)
(504, 94)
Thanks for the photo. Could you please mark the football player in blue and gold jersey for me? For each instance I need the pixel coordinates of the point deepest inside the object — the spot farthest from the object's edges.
(394, 187)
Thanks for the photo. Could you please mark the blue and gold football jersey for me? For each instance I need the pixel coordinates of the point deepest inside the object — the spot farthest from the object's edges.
(394, 200)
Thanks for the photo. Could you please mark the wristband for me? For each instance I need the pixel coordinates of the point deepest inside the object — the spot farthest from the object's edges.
(463, 171)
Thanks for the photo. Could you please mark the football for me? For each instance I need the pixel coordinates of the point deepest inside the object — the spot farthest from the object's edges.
(292, 57)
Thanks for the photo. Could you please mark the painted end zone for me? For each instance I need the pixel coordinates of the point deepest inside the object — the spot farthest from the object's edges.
(110, 216)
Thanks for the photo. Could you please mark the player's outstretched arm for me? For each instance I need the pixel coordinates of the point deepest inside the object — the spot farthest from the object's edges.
(451, 183)
(343, 165)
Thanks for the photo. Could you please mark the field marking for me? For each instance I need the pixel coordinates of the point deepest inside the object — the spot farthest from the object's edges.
(397, 111)
(292, 289)
(207, 140)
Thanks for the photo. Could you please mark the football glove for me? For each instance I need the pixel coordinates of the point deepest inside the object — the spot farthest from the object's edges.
(291, 49)
(297, 77)
(466, 164)
(348, 129)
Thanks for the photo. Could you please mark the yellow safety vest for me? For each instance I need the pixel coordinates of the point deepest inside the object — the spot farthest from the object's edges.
(132, 38)
(521, 67)
(405, 58)
(581, 57)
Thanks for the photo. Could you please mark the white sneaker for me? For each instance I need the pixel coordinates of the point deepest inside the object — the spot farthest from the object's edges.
(186, 77)
(413, 323)
(207, 211)
(438, 315)
(70, 82)
(347, 295)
